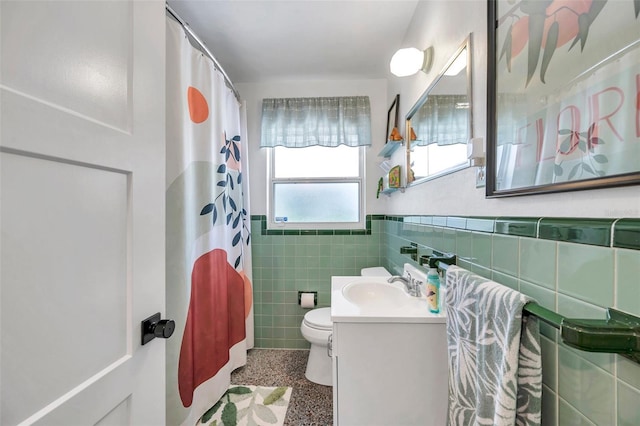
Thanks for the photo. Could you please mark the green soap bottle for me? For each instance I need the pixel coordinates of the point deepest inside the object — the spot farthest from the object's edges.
(433, 290)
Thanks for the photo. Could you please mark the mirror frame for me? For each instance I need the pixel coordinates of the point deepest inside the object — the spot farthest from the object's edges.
(492, 190)
(467, 43)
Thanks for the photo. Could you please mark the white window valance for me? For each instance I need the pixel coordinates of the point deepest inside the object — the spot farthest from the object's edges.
(442, 120)
(327, 121)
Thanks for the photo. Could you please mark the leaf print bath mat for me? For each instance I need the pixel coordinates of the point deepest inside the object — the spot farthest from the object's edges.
(249, 406)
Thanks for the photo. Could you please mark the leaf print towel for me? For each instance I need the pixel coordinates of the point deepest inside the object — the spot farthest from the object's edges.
(495, 367)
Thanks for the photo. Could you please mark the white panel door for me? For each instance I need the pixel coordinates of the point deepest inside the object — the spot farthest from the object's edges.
(81, 211)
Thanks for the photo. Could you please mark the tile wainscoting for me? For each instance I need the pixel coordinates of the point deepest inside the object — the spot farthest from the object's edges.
(285, 262)
(576, 267)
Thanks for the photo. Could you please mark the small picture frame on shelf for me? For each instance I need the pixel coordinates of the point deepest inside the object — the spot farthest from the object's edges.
(394, 177)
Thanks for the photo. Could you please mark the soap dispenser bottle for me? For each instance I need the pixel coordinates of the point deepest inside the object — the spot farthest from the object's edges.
(433, 288)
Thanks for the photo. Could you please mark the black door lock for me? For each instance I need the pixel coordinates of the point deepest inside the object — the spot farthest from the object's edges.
(153, 327)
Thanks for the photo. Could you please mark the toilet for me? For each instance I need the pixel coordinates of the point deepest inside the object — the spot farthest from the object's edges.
(316, 328)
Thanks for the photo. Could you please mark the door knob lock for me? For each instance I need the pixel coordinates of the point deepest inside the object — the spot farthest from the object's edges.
(153, 327)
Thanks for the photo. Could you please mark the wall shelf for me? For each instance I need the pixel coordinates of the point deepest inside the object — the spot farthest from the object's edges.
(389, 191)
(389, 148)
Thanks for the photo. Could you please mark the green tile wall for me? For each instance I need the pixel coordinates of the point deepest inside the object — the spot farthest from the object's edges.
(284, 263)
(577, 267)
(628, 412)
(627, 279)
(550, 404)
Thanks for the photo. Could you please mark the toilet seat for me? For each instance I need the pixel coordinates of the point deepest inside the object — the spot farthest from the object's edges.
(319, 319)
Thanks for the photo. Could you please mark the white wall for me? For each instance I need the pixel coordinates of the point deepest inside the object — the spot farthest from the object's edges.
(444, 25)
(253, 93)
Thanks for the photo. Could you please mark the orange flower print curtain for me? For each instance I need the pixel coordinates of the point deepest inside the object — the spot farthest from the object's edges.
(209, 291)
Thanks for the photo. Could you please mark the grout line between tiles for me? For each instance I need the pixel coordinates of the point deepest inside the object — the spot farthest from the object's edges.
(580, 413)
(613, 232)
(538, 228)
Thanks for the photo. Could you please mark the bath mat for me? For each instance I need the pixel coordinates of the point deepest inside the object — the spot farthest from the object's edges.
(249, 405)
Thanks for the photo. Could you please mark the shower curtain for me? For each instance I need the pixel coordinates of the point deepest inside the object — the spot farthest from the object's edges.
(208, 287)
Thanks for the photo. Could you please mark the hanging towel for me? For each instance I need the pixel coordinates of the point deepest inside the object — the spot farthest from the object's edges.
(495, 368)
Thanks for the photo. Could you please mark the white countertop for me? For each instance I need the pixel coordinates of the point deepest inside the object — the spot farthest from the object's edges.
(342, 310)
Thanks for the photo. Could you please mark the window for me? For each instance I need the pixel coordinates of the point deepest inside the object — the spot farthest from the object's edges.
(439, 158)
(316, 151)
(317, 187)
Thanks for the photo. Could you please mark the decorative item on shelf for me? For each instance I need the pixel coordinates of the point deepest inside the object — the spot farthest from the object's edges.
(395, 135)
(394, 177)
(413, 134)
(380, 187)
(413, 138)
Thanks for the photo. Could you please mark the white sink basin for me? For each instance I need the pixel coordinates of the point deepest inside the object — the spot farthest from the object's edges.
(374, 300)
(370, 294)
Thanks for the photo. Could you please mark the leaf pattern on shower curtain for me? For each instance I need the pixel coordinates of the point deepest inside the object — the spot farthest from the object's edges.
(228, 200)
(495, 374)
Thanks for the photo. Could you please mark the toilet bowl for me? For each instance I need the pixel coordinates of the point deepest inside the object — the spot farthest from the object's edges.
(316, 328)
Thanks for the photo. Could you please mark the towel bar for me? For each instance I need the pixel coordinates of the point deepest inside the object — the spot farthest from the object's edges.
(619, 333)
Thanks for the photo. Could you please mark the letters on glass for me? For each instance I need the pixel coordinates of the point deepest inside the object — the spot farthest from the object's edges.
(563, 88)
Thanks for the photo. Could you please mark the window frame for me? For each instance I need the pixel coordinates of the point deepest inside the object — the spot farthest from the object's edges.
(272, 181)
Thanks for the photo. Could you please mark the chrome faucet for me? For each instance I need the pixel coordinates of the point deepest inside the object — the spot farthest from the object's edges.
(412, 286)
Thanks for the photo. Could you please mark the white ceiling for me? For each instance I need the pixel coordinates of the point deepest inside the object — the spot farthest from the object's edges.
(275, 40)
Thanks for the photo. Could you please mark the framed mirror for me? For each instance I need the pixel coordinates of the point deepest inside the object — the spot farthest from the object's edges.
(562, 96)
(439, 125)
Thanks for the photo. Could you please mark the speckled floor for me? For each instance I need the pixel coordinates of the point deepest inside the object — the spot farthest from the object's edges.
(311, 404)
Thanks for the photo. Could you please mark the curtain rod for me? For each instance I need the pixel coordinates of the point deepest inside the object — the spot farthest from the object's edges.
(201, 44)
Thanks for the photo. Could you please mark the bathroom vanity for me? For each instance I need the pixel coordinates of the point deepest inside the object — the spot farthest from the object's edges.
(389, 355)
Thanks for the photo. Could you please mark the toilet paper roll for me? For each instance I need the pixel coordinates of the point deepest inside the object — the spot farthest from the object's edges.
(307, 300)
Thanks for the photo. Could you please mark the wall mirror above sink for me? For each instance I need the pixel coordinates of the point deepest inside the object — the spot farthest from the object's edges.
(439, 125)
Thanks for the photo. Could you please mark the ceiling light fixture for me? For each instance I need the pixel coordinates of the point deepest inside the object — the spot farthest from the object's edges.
(410, 60)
